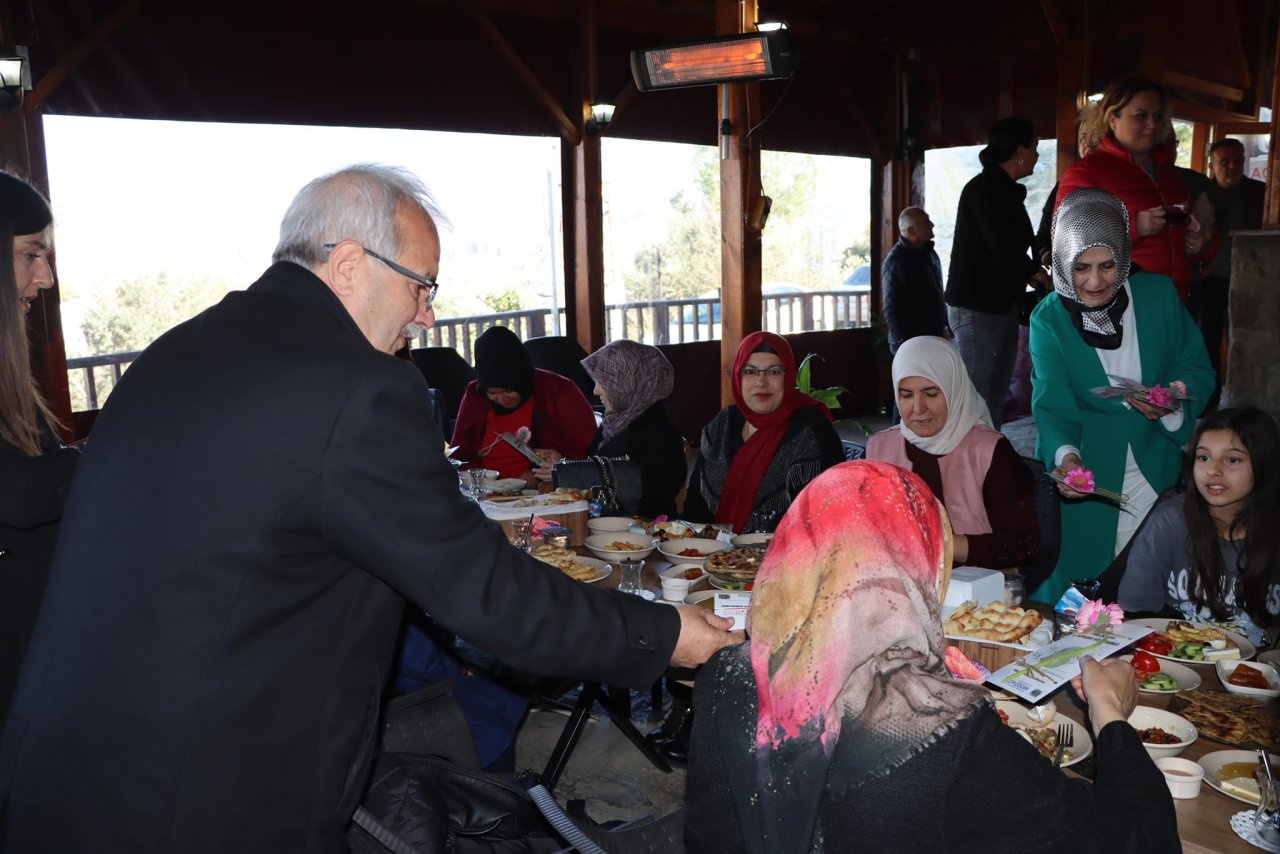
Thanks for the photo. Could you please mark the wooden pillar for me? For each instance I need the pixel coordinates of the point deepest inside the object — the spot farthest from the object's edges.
(22, 151)
(584, 277)
(1271, 214)
(740, 301)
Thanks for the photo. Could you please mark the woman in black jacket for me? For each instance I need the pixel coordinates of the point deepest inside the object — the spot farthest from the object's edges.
(991, 262)
(633, 380)
(35, 470)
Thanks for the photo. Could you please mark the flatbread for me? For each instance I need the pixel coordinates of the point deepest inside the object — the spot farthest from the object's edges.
(1231, 718)
(739, 564)
(995, 621)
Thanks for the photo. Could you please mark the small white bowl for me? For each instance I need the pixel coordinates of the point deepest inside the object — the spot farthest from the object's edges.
(606, 524)
(1227, 667)
(1182, 776)
(671, 549)
(751, 540)
(601, 545)
(675, 589)
(1145, 717)
(699, 596)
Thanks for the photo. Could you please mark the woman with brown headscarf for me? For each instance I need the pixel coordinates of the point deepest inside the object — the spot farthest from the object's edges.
(837, 726)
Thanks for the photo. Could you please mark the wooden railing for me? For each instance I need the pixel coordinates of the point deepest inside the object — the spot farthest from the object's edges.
(665, 322)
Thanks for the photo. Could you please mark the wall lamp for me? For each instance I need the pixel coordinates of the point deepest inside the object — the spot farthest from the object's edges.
(15, 76)
(766, 55)
(601, 115)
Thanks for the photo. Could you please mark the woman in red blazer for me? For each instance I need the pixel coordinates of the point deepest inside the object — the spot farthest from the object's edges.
(1134, 163)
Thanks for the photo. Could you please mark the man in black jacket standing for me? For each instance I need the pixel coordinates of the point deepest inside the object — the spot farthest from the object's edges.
(264, 490)
(912, 277)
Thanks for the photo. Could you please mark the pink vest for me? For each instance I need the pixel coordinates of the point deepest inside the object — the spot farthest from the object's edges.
(963, 472)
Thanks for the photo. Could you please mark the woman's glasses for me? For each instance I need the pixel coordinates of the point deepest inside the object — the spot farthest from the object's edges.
(750, 373)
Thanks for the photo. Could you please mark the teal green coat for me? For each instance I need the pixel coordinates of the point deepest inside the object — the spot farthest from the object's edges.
(1064, 368)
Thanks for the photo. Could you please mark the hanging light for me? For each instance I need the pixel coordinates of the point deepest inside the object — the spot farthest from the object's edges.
(601, 115)
(764, 55)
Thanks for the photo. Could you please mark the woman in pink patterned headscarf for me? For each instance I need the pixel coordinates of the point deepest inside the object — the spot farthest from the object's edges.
(837, 726)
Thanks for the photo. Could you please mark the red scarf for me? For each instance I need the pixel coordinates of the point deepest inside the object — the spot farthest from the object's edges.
(738, 496)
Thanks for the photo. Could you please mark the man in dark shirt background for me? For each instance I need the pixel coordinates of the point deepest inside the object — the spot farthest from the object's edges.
(913, 303)
(1237, 206)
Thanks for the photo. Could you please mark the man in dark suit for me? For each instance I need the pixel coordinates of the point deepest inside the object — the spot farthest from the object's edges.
(1237, 206)
(263, 488)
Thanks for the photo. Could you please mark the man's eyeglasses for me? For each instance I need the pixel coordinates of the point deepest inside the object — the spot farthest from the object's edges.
(423, 283)
(750, 373)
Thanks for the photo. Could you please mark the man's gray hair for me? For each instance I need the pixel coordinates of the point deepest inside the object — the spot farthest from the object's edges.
(910, 218)
(362, 203)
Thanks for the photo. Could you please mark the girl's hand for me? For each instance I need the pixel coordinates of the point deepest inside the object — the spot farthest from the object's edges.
(1069, 462)
(1108, 687)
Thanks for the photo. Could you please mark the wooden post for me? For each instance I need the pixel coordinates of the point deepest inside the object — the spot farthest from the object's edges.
(740, 306)
(584, 278)
(1271, 214)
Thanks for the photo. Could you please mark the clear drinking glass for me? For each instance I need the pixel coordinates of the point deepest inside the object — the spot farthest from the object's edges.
(629, 570)
(475, 483)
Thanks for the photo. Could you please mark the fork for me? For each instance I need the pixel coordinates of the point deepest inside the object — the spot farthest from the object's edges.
(1066, 738)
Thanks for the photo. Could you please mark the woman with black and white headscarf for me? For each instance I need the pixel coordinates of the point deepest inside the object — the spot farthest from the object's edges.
(1104, 322)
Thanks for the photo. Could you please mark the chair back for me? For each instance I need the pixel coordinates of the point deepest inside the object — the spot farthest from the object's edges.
(447, 372)
(1048, 524)
(563, 355)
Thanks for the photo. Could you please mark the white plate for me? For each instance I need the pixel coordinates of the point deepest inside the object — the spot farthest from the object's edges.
(738, 586)
(609, 524)
(599, 544)
(1226, 668)
(1271, 656)
(1083, 745)
(1211, 762)
(700, 596)
(507, 485)
(1247, 650)
(671, 549)
(602, 568)
(1187, 679)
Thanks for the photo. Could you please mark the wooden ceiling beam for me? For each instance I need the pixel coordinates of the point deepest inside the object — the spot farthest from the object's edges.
(1200, 113)
(855, 111)
(67, 66)
(1054, 17)
(1205, 87)
(565, 128)
(622, 15)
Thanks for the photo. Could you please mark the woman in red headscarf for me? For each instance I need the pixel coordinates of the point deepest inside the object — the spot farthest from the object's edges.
(757, 454)
(837, 727)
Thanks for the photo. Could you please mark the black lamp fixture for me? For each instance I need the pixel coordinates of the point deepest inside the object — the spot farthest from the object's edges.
(15, 76)
(601, 115)
(763, 55)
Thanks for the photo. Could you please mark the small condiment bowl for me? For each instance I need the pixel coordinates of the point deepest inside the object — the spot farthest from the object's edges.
(1182, 776)
(675, 589)
(1226, 668)
(1146, 717)
(608, 524)
(691, 572)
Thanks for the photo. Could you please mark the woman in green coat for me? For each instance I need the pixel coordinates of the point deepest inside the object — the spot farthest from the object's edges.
(1101, 322)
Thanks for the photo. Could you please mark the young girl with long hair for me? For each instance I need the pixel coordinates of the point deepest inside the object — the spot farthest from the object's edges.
(1212, 554)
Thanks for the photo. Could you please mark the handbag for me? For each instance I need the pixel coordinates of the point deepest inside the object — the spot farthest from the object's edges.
(615, 482)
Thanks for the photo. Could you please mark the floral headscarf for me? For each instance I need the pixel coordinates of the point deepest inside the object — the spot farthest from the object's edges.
(633, 376)
(846, 646)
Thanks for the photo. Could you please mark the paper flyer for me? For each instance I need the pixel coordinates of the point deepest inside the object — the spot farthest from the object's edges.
(1038, 674)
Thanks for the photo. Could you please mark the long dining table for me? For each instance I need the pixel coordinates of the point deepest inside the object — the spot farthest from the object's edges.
(1204, 822)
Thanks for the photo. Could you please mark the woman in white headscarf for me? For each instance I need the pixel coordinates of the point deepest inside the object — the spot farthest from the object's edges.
(946, 438)
(1100, 323)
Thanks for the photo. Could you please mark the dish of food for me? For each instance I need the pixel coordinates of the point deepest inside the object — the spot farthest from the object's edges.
(1250, 679)
(1194, 643)
(751, 540)
(731, 585)
(995, 621)
(585, 569)
(1231, 773)
(616, 546)
(736, 565)
(1182, 677)
(691, 573)
(691, 550)
(1043, 735)
(1162, 733)
(1231, 718)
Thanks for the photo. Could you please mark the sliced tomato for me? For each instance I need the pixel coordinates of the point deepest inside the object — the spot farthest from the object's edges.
(1156, 643)
(1145, 663)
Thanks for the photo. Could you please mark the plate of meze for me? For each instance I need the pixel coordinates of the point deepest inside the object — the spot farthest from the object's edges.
(1231, 772)
(1161, 625)
(1187, 679)
(1082, 744)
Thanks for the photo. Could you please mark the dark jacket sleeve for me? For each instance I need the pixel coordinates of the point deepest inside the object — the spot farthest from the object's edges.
(654, 442)
(469, 428)
(382, 472)
(1008, 496)
(33, 490)
(895, 310)
(1128, 808)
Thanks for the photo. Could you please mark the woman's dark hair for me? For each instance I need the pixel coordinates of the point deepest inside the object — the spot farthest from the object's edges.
(22, 211)
(764, 348)
(1004, 138)
(1257, 431)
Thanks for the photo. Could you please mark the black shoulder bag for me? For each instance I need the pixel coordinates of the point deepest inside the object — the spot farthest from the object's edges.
(616, 481)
